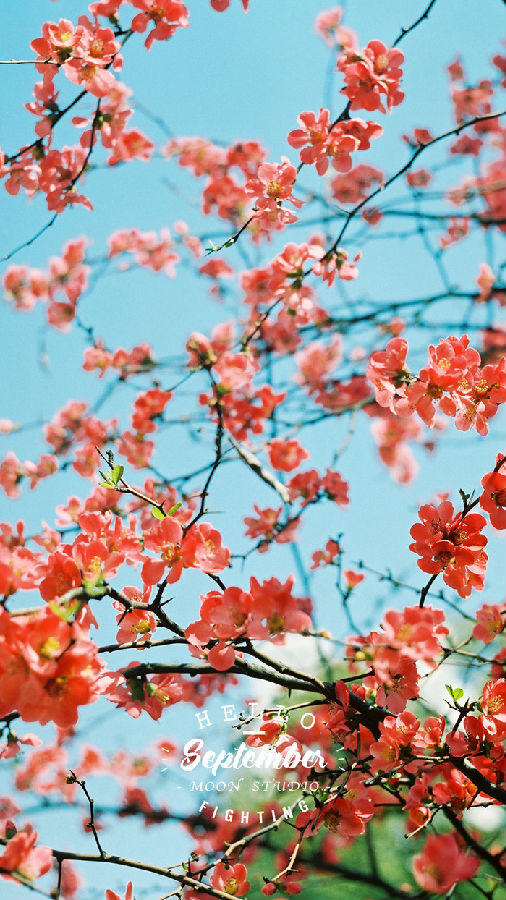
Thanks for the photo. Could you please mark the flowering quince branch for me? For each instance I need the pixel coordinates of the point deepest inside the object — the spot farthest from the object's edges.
(343, 116)
(256, 466)
(116, 482)
(415, 24)
(456, 534)
(230, 241)
(349, 735)
(72, 779)
(420, 149)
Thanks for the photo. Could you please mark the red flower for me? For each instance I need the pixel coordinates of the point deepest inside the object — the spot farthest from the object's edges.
(372, 76)
(493, 705)
(112, 895)
(490, 622)
(442, 863)
(230, 879)
(275, 610)
(353, 578)
(286, 455)
(202, 549)
(493, 499)
(22, 857)
(452, 544)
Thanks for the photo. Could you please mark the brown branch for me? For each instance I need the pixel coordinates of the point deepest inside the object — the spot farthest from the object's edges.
(301, 683)
(256, 466)
(426, 588)
(405, 31)
(403, 169)
(220, 430)
(481, 851)
(73, 779)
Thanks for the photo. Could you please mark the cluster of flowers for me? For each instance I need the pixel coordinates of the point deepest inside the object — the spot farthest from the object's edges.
(55, 173)
(355, 186)
(454, 381)
(87, 53)
(48, 668)
(283, 281)
(12, 471)
(266, 185)
(244, 408)
(269, 186)
(70, 428)
(431, 782)
(331, 142)
(451, 543)
(148, 249)
(53, 656)
(328, 26)
(406, 637)
(109, 125)
(307, 487)
(469, 102)
(66, 274)
(125, 362)
(372, 76)
(73, 428)
(200, 548)
(268, 611)
(148, 406)
(316, 364)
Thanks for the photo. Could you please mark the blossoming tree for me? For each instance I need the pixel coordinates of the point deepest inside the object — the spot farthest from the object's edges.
(241, 579)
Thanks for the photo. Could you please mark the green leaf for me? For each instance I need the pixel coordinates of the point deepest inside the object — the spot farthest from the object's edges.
(455, 693)
(157, 513)
(174, 509)
(117, 474)
(107, 484)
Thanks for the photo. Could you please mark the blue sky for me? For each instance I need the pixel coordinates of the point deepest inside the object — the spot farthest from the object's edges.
(232, 77)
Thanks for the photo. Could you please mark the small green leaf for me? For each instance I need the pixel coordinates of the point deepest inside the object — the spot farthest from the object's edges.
(157, 513)
(174, 509)
(465, 497)
(107, 484)
(455, 693)
(117, 473)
